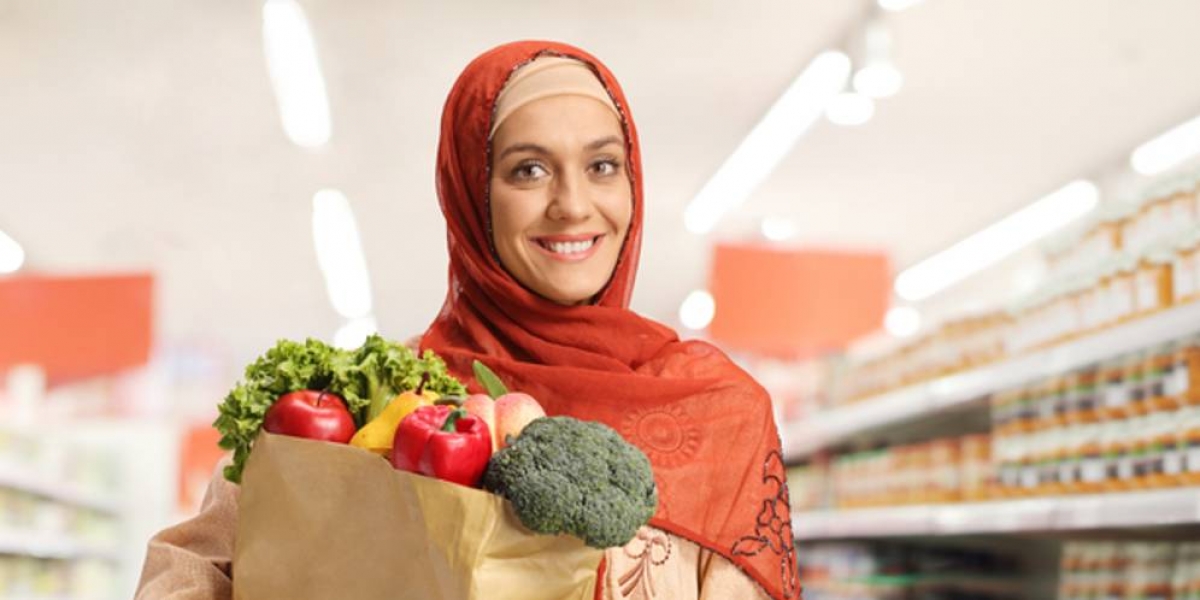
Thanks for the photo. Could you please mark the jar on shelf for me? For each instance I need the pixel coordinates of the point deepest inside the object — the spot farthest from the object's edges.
(1192, 262)
(1104, 293)
(1158, 369)
(1190, 446)
(1141, 443)
(1108, 234)
(1137, 371)
(1123, 290)
(1193, 185)
(1028, 474)
(1183, 382)
(1112, 570)
(945, 458)
(1160, 218)
(1183, 209)
(1182, 574)
(1154, 291)
(1165, 465)
(1087, 395)
(1183, 270)
(1088, 303)
(1065, 458)
(1118, 455)
(1093, 462)
(1063, 311)
(1133, 226)
(976, 476)
(1050, 395)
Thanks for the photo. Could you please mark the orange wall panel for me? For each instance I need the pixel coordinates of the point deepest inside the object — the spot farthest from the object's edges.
(796, 302)
(76, 326)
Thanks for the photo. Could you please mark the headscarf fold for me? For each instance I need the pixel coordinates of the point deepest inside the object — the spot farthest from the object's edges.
(706, 425)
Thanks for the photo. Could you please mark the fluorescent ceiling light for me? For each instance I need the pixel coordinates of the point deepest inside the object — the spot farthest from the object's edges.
(902, 321)
(340, 255)
(12, 256)
(353, 333)
(697, 310)
(878, 80)
(997, 241)
(778, 229)
(295, 73)
(898, 5)
(1168, 149)
(850, 108)
(769, 142)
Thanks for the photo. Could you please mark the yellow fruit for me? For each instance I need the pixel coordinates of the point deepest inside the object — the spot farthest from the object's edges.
(377, 435)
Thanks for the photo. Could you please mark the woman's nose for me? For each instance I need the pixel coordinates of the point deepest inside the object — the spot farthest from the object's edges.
(569, 201)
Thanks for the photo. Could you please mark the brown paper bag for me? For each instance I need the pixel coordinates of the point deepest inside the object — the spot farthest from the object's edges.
(328, 521)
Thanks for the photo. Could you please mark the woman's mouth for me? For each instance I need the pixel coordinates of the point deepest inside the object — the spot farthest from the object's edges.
(568, 248)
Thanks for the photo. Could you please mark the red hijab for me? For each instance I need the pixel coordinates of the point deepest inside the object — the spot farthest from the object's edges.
(706, 425)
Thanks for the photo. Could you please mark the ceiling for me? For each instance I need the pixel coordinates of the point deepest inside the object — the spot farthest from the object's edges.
(143, 134)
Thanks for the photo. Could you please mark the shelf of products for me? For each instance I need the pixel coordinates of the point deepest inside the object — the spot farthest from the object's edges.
(892, 571)
(73, 494)
(1114, 569)
(54, 546)
(1152, 508)
(973, 387)
(60, 518)
(1128, 281)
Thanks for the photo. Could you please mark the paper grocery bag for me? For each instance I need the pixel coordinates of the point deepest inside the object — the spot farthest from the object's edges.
(329, 521)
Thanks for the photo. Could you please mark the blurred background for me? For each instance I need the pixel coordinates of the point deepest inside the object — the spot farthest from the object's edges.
(959, 242)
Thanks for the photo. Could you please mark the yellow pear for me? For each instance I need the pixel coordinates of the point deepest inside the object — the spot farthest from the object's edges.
(377, 435)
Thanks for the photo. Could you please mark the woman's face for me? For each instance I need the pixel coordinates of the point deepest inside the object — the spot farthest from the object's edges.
(560, 196)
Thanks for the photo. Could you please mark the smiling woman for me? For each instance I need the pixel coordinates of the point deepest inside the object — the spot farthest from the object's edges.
(561, 200)
(540, 181)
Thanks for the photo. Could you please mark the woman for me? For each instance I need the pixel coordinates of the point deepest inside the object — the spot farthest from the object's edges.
(539, 178)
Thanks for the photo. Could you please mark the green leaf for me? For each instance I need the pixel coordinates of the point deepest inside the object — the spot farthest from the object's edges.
(488, 379)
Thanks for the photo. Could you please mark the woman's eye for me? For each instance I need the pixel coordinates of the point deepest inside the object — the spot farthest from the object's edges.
(526, 171)
(606, 167)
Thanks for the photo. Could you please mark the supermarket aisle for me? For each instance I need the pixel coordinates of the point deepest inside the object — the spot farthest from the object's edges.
(959, 244)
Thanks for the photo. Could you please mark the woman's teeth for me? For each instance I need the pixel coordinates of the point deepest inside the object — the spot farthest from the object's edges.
(568, 247)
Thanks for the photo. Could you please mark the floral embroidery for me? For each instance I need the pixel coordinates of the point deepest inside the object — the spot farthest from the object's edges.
(662, 434)
(773, 527)
(653, 550)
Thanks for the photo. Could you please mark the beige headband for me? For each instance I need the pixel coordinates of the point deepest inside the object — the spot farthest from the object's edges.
(548, 76)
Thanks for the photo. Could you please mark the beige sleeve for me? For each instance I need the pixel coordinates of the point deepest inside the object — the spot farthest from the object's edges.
(721, 580)
(192, 560)
(657, 565)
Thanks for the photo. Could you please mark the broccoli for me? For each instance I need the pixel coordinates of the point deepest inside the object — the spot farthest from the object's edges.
(580, 478)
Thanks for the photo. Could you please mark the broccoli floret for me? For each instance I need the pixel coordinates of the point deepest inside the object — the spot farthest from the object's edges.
(580, 478)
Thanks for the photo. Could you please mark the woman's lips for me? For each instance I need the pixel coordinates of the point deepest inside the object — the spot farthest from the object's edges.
(568, 248)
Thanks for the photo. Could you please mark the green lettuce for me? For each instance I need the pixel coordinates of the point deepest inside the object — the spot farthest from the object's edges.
(367, 379)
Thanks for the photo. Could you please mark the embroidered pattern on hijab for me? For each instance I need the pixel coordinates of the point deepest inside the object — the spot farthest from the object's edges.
(706, 425)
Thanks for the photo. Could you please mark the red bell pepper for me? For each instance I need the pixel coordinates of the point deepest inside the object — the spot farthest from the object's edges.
(443, 442)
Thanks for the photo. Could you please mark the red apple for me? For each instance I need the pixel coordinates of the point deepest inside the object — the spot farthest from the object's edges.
(513, 412)
(311, 414)
(482, 406)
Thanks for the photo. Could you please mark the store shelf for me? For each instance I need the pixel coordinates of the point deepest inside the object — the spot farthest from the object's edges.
(73, 495)
(1102, 511)
(831, 427)
(58, 546)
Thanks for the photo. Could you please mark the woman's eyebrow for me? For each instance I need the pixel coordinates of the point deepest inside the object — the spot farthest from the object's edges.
(524, 147)
(602, 142)
(536, 149)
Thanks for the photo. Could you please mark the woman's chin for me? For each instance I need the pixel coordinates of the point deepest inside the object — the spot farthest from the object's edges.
(569, 295)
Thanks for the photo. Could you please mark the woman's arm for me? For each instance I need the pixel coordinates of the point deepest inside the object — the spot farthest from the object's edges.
(193, 560)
